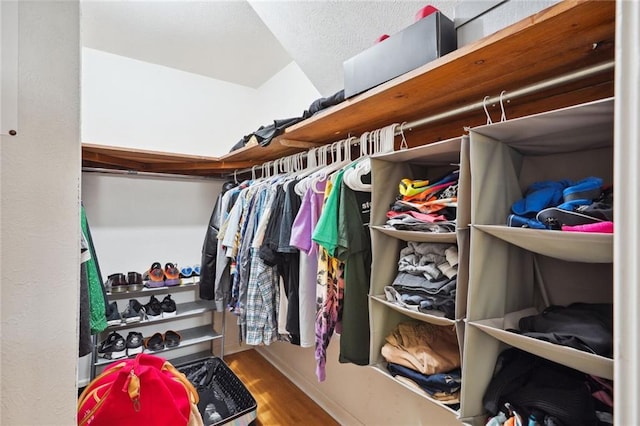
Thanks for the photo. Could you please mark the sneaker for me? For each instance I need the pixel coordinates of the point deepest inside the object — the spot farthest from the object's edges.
(186, 272)
(153, 309)
(113, 316)
(168, 307)
(134, 343)
(171, 275)
(172, 338)
(113, 347)
(155, 342)
(133, 312)
(154, 277)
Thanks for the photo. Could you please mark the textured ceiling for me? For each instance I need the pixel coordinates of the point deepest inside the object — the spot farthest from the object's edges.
(320, 35)
(247, 42)
(224, 40)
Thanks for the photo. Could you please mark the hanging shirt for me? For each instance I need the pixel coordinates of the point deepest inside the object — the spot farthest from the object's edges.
(354, 249)
(301, 231)
(330, 275)
(263, 295)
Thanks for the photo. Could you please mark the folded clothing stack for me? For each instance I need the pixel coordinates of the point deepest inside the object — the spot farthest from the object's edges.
(583, 206)
(539, 392)
(426, 356)
(426, 206)
(427, 278)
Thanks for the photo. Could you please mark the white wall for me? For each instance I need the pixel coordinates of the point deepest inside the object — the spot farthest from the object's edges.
(40, 232)
(136, 221)
(134, 104)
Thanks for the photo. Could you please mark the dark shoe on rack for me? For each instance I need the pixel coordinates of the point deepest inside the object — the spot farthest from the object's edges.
(171, 275)
(168, 307)
(133, 312)
(135, 281)
(154, 277)
(117, 283)
(172, 339)
(134, 343)
(113, 347)
(155, 342)
(153, 309)
(113, 316)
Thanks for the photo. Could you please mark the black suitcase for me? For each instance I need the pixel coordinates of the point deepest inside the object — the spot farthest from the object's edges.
(224, 400)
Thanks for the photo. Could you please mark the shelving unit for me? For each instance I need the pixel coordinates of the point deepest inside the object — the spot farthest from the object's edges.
(519, 272)
(425, 162)
(187, 310)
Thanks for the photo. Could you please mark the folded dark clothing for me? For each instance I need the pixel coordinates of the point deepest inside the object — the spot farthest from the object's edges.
(323, 103)
(414, 284)
(443, 382)
(584, 326)
(533, 384)
(438, 227)
(446, 305)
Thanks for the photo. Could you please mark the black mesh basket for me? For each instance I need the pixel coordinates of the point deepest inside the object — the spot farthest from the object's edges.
(223, 397)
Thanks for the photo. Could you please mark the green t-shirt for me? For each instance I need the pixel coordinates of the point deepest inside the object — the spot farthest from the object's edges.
(326, 230)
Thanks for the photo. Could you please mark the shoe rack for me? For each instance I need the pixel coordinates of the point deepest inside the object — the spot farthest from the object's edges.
(194, 321)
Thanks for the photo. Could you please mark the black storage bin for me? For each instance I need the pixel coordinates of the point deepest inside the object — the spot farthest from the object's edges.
(224, 399)
(427, 39)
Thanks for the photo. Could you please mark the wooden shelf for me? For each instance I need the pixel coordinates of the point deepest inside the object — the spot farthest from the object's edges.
(565, 37)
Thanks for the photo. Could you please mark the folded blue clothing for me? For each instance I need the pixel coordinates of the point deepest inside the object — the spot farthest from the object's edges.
(444, 382)
(540, 195)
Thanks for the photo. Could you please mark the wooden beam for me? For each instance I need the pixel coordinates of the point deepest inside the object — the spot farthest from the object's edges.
(123, 163)
(300, 144)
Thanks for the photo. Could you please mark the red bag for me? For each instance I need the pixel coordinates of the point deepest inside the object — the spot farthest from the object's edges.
(145, 390)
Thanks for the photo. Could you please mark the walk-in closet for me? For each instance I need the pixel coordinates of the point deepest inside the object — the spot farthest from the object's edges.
(433, 248)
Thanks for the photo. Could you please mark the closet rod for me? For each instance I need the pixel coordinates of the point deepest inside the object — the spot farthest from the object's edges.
(536, 87)
(507, 96)
(134, 173)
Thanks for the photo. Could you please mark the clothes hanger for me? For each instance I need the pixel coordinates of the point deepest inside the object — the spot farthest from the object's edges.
(503, 116)
(484, 106)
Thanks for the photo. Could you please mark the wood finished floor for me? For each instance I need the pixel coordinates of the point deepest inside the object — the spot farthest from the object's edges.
(280, 402)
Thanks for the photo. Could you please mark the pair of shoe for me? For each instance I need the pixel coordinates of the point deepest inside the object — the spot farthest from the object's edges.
(118, 283)
(156, 309)
(136, 311)
(190, 271)
(132, 313)
(158, 277)
(115, 346)
(159, 341)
